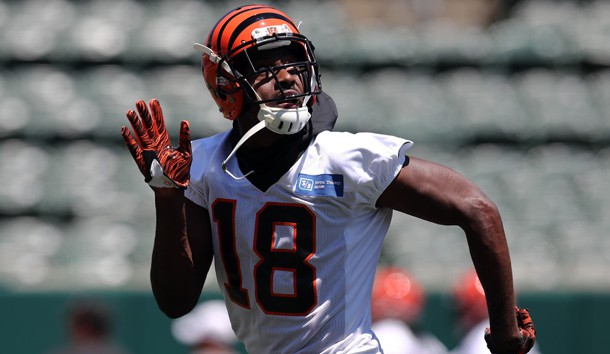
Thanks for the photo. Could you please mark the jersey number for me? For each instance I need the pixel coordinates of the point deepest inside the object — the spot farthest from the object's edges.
(291, 260)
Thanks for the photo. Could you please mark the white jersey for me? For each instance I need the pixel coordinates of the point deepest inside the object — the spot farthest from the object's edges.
(296, 263)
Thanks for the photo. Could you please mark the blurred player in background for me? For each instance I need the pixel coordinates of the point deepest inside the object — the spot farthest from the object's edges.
(294, 215)
(206, 329)
(396, 308)
(89, 327)
(472, 319)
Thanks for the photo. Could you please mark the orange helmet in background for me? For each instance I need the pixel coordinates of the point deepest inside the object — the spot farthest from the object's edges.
(469, 298)
(396, 294)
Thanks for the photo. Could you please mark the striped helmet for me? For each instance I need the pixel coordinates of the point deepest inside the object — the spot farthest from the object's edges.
(235, 40)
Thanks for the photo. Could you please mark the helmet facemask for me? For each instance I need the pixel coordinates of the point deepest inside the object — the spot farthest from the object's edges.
(244, 68)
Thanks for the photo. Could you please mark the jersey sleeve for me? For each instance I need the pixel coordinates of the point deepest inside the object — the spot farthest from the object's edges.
(371, 162)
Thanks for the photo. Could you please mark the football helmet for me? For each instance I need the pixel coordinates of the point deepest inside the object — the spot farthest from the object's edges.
(396, 294)
(469, 298)
(227, 64)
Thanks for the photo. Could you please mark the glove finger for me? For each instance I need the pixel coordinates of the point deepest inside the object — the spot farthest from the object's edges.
(185, 138)
(134, 149)
(140, 133)
(157, 114)
(524, 319)
(149, 124)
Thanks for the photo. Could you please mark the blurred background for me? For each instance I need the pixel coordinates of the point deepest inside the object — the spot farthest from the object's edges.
(513, 94)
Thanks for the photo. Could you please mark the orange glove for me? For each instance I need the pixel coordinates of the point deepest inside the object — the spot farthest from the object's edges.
(528, 333)
(161, 164)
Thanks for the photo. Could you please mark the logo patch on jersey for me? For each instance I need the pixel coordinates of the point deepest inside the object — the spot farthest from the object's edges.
(320, 185)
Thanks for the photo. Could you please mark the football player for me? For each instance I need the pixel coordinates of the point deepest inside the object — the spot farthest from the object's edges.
(294, 215)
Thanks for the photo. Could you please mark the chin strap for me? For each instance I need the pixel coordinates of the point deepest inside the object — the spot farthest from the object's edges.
(284, 121)
(281, 120)
(255, 129)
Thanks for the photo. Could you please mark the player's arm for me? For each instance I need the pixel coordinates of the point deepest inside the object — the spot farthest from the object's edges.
(438, 194)
(182, 252)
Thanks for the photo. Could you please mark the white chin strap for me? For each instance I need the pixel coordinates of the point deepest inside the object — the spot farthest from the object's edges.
(278, 120)
(284, 121)
(255, 129)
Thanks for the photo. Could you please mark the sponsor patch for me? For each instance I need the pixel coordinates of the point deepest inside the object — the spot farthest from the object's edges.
(320, 185)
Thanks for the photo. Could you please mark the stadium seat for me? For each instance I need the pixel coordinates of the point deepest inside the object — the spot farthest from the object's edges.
(27, 245)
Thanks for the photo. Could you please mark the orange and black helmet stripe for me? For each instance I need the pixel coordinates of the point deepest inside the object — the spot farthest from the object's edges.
(238, 20)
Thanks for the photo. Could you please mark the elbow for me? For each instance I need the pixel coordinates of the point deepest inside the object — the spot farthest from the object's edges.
(480, 214)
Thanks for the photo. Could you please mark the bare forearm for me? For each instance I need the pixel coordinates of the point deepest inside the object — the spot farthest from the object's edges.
(175, 281)
(491, 258)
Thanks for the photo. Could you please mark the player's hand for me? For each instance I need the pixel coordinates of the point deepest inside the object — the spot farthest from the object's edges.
(528, 334)
(162, 164)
